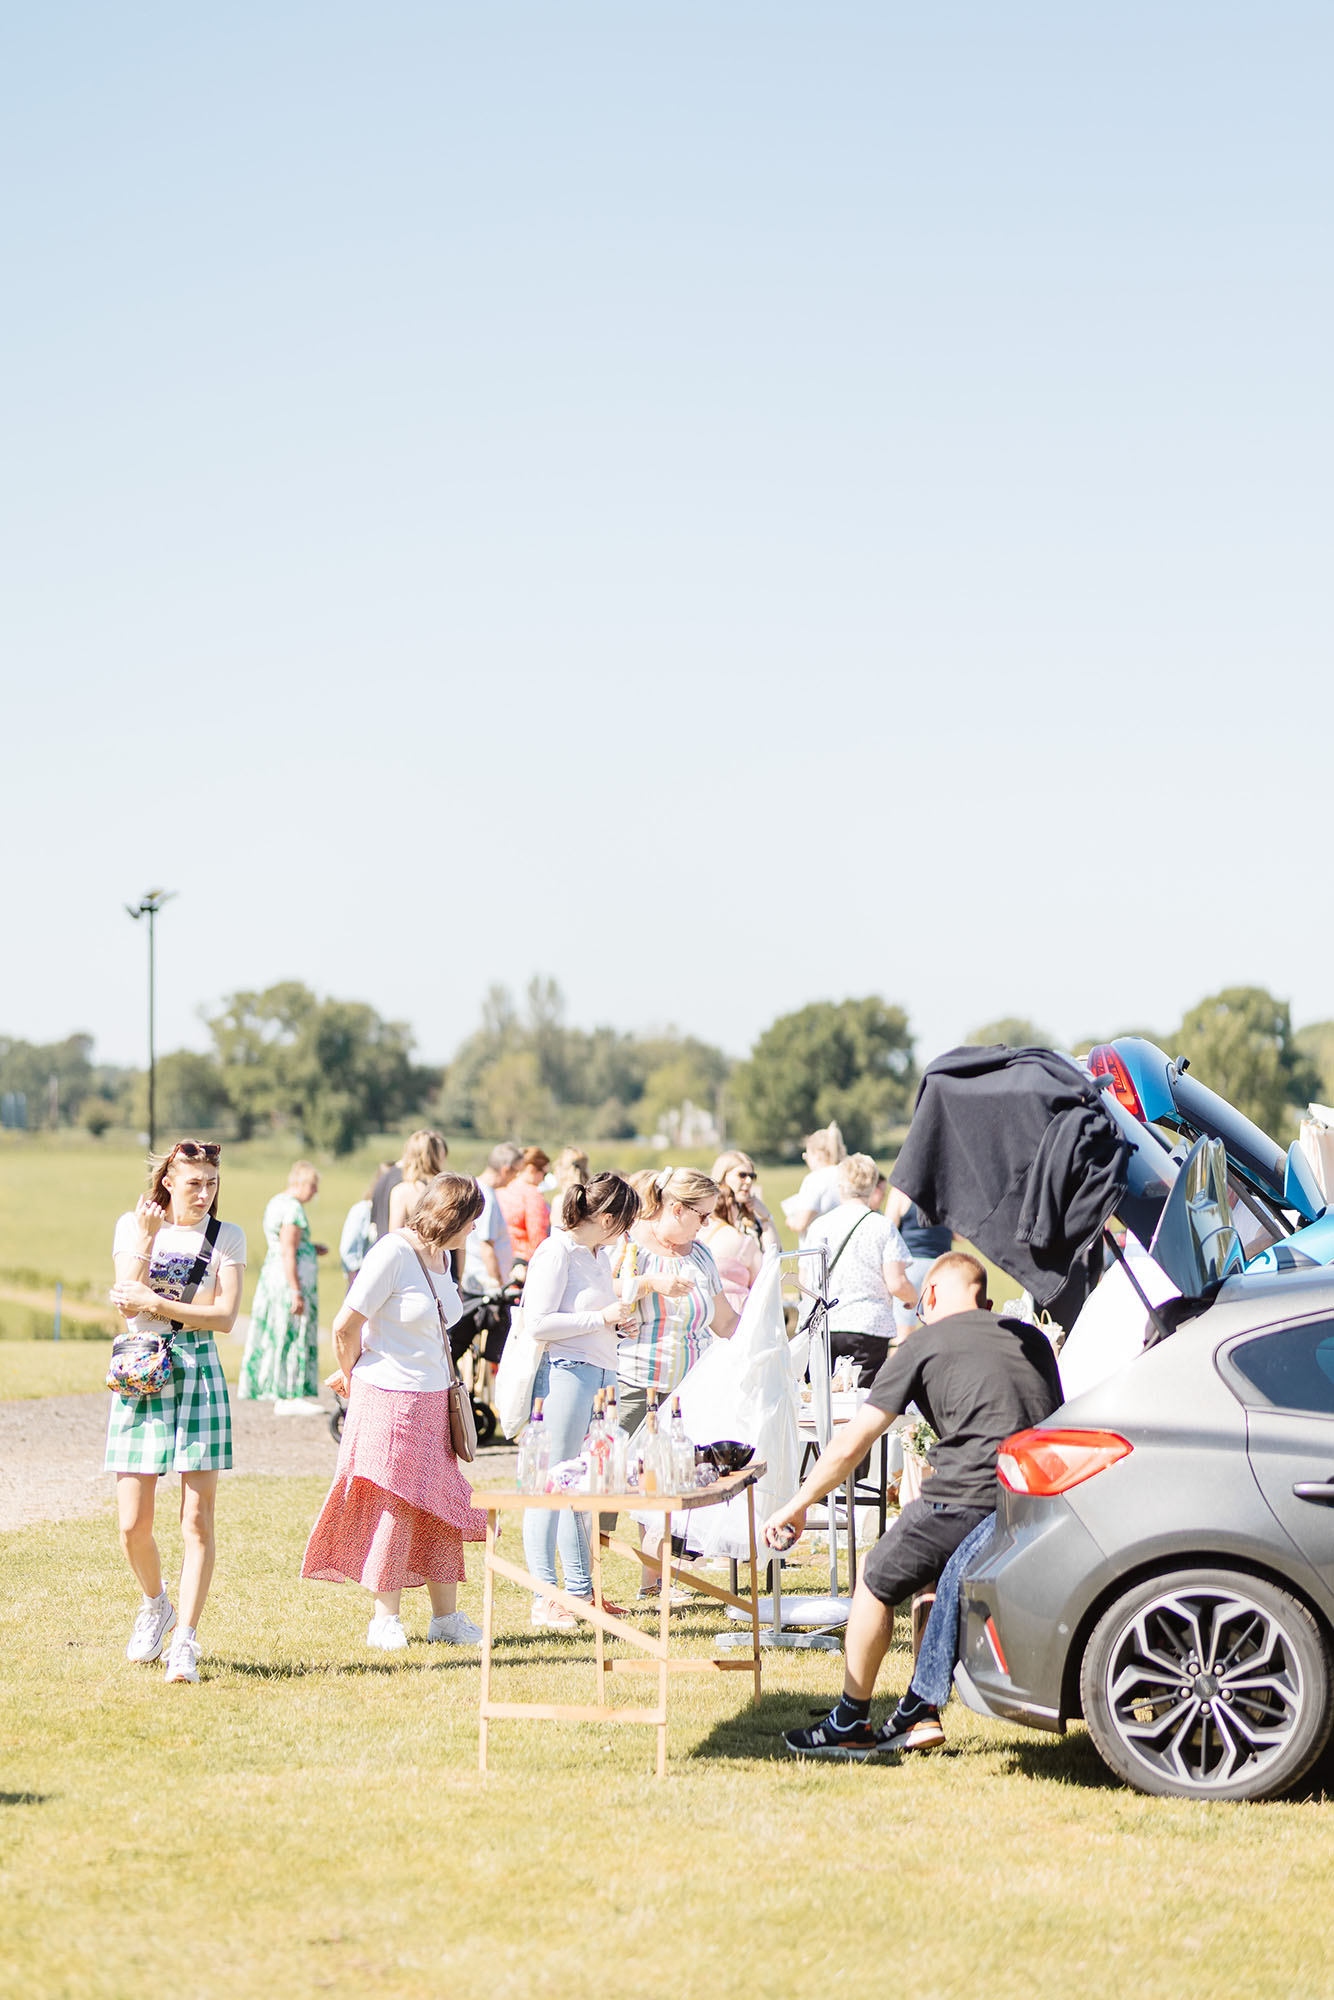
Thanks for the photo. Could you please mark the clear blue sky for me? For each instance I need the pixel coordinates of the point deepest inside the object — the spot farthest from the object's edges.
(566, 487)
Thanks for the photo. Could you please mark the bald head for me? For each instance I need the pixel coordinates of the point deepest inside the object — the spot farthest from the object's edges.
(956, 1283)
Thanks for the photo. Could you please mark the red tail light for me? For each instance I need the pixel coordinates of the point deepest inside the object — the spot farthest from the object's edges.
(1049, 1462)
(1104, 1061)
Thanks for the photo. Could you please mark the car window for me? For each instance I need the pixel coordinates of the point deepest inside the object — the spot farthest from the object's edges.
(1292, 1368)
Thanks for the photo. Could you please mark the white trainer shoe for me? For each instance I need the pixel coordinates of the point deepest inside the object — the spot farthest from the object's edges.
(298, 1406)
(455, 1628)
(183, 1660)
(385, 1632)
(152, 1622)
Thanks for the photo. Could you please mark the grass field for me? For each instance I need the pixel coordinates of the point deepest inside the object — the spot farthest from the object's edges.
(309, 1820)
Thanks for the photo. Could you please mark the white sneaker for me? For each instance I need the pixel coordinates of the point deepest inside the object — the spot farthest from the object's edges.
(298, 1406)
(183, 1660)
(456, 1629)
(552, 1617)
(385, 1632)
(152, 1622)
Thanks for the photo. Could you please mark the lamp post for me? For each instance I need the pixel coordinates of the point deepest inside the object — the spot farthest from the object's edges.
(149, 905)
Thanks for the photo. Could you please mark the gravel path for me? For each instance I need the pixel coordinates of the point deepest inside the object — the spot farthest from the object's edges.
(51, 1454)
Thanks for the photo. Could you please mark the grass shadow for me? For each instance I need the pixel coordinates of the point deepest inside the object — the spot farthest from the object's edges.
(1060, 1760)
(26, 1798)
(755, 1733)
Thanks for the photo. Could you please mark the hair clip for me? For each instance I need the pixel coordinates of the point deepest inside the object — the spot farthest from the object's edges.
(661, 1180)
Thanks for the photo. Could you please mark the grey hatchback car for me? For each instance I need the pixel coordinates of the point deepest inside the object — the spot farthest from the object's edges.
(1163, 1562)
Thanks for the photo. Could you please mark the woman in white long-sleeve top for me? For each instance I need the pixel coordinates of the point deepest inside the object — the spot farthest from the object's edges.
(570, 1303)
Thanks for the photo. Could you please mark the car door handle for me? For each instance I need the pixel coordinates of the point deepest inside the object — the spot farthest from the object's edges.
(1319, 1490)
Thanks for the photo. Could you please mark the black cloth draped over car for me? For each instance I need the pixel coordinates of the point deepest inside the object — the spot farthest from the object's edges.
(1015, 1150)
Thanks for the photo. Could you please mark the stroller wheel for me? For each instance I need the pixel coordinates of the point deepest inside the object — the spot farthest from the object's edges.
(485, 1418)
(336, 1422)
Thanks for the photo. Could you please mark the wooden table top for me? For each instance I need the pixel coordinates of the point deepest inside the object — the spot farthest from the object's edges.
(504, 1500)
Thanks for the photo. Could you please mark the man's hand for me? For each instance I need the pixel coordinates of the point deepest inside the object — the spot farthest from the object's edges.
(785, 1526)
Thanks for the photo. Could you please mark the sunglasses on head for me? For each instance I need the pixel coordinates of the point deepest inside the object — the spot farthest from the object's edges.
(194, 1149)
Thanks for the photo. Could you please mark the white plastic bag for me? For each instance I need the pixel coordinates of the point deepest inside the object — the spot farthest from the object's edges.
(745, 1388)
(513, 1397)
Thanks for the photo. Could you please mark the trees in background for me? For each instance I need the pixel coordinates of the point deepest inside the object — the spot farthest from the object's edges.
(850, 1060)
(1240, 1043)
(1014, 1031)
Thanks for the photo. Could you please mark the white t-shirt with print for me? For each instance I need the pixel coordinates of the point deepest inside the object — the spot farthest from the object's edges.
(174, 1252)
(401, 1342)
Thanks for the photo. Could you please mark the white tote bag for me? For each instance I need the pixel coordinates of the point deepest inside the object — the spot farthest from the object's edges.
(516, 1375)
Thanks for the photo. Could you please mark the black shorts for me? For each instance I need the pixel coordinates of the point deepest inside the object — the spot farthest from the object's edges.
(868, 1350)
(911, 1554)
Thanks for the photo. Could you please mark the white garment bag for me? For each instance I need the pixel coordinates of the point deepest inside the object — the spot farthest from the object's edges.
(745, 1388)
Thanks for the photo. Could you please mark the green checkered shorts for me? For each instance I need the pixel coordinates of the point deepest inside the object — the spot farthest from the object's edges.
(186, 1428)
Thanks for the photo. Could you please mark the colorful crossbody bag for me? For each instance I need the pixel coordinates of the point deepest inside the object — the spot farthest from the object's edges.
(141, 1362)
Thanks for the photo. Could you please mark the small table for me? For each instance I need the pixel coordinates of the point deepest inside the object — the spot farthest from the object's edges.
(605, 1626)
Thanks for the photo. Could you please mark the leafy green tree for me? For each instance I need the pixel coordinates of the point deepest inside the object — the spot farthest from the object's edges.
(851, 1060)
(1240, 1043)
(1014, 1031)
(54, 1077)
(1316, 1043)
(191, 1095)
(332, 1070)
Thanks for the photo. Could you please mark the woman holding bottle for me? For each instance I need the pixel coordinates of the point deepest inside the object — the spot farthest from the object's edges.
(570, 1304)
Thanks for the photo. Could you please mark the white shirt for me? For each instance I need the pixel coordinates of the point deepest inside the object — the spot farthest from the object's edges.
(401, 1343)
(567, 1290)
(819, 1191)
(857, 1280)
(490, 1227)
(174, 1251)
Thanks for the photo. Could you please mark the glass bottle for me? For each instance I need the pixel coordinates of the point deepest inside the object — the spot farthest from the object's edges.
(534, 1453)
(597, 1448)
(682, 1451)
(619, 1444)
(656, 1471)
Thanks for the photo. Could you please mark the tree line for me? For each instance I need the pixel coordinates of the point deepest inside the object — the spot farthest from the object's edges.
(331, 1072)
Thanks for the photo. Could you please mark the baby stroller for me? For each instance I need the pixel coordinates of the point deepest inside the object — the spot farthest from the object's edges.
(481, 1332)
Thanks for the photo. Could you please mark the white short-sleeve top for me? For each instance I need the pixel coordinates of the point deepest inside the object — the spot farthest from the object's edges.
(174, 1252)
(401, 1342)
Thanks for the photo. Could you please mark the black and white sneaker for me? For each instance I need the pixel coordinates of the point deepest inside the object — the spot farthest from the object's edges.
(914, 1725)
(849, 1746)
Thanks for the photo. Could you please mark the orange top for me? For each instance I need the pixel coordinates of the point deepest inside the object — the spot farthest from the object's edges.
(527, 1217)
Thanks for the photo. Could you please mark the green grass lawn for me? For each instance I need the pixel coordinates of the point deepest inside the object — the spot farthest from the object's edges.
(310, 1820)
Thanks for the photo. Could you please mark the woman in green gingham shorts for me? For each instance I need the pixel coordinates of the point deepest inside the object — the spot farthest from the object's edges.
(187, 1427)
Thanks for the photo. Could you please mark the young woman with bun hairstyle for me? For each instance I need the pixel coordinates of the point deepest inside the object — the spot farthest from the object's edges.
(570, 1303)
(161, 1247)
(400, 1509)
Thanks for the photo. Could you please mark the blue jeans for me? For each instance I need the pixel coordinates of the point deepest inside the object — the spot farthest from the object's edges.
(933, 1676)
(569, 1388)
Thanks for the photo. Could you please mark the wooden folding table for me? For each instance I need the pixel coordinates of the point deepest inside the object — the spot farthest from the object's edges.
(654, 1649)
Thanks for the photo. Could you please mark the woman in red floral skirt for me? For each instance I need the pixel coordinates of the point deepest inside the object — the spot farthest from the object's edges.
(400, 1510)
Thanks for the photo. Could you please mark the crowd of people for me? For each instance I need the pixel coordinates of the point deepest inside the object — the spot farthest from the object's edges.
(626, 1282)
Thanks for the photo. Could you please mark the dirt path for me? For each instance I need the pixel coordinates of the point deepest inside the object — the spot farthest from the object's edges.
(51, 1454)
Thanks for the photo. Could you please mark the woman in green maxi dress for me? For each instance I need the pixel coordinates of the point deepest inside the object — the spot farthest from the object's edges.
(282, 1347)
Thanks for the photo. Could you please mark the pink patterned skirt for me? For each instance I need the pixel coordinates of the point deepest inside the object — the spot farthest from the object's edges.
(399, 1510)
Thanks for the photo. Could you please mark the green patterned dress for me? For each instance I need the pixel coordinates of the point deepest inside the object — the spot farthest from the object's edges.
(281, 1351)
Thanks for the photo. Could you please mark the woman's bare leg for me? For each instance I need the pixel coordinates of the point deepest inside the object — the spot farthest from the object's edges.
(135, 1495)
(198, 1494)
(444, 1598)
(387, 1602)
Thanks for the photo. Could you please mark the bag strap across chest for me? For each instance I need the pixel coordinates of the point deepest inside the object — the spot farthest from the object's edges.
(194, 1277)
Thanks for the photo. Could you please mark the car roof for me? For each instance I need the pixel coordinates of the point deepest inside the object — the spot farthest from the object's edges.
(1266, 1298)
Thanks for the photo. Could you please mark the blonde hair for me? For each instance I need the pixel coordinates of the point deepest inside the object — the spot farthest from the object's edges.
(443, 1206)
(826, 1147)
(684, 1184)
(303, 1170)
(424, 1156)
(857, 1176)
(721, 1168)
(642, 1179)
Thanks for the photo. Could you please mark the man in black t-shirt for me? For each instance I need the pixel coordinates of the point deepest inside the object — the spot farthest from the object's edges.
(976, 1379)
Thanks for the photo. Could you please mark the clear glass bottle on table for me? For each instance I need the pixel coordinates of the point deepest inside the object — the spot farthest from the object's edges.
(656, 1466)
(619, 1442)
(682, 1451)
(534, 1453)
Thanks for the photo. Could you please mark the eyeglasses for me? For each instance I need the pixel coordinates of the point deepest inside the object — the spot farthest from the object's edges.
(745, 1173)
(193, 1149)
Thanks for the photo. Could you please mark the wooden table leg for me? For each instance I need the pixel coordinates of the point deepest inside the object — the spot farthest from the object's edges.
(595, 1551)
(488, 1625)
(664, 1633)
(754, 1590)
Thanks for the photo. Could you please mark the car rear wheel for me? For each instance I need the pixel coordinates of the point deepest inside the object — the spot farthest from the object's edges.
(1208, 1684)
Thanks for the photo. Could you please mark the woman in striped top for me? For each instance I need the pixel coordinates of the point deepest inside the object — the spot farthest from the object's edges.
(686, 1305)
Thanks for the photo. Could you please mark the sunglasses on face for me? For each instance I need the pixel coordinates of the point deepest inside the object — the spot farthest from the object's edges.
(746, 1174)
(192, 1149)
